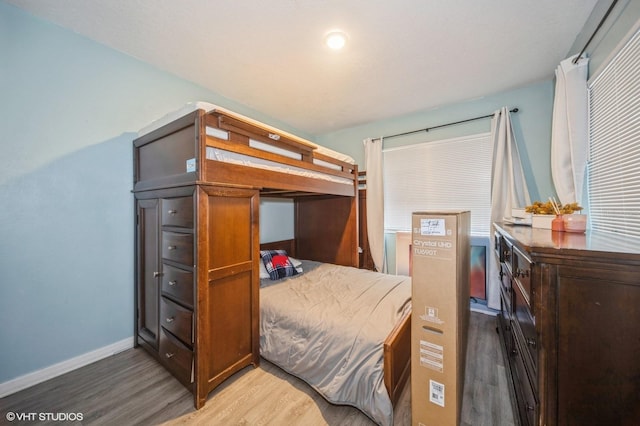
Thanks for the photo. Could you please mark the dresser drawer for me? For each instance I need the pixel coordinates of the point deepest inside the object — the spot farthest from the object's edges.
(505, 284)
(526, 396)
(506, 250)
(176, 319)
(526, 327)
(176, 357)
(177, 212)
(178, 284)
(522, 269)
(177, 247)
(505, 306)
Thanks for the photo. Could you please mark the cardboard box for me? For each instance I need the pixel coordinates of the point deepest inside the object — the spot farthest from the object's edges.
(440, 316)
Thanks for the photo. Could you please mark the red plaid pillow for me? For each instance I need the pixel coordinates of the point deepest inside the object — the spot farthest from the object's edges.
(277, 264)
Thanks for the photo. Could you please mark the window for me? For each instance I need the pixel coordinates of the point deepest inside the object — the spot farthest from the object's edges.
(447, 174)
(614, 143)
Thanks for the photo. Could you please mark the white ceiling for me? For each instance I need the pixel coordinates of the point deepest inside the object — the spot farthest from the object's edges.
(403, 56)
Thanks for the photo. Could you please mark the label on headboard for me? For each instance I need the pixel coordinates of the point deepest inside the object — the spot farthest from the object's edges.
(191, 165)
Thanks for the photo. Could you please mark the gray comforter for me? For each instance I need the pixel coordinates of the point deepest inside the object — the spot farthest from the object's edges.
(327, 327)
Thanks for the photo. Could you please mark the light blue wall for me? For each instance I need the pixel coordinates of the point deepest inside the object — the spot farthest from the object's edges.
(276, 219)
(69, 110)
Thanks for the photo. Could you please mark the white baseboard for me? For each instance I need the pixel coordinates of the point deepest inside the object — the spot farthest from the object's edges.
(30, 379)
(483, 309)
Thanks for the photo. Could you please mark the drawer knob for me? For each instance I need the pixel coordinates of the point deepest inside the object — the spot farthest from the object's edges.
(157, 274)
(169, 355)
(172, 212)
(531, 342)
(172, 283)
(170, 319)
(172, 248)
(529, 407)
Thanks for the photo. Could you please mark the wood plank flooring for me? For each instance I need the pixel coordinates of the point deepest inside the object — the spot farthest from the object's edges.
(131, 388)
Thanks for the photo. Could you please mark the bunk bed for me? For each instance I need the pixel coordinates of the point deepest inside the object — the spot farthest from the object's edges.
(199, 175)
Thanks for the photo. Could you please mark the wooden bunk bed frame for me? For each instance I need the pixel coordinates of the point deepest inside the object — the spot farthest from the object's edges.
(197, 242)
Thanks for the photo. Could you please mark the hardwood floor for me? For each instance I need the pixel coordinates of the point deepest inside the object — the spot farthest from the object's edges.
(486, 400)
(131, 388)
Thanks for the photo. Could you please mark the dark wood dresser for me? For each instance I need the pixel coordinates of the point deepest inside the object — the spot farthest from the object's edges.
(570, 325)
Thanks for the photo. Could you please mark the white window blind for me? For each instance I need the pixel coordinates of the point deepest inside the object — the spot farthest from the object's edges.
(447, 174)
(614, 146)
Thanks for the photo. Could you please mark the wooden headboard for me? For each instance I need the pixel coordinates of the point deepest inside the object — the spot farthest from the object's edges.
(288, 245)
(326, 230)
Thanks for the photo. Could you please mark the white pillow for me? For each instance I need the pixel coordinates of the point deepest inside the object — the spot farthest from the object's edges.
(296, 264)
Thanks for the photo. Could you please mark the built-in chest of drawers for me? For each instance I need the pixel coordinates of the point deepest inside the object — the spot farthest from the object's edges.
(197, 282)
(176, 301)
(570, 325)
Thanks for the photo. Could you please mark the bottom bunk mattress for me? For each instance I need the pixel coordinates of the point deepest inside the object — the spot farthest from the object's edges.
(328, 325)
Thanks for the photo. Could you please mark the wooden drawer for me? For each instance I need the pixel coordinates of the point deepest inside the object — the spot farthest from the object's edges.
(505, 305)
(176, 319)
(175, 356)
(507, 291)
(506, 254)
(177, 247)
(505, 326)
(526, 327)
(527, 400)
(178, 284)
(177, 212)
(522, 269)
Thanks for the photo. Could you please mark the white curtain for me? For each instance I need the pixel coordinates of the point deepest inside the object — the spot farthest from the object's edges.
(508, 188)
(569, 130)
(375, 201)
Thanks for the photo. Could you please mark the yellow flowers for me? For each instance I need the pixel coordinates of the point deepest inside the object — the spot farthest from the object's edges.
(538, 207)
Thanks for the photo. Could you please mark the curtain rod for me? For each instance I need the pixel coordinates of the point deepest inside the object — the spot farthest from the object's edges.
(442, 125)
(604, 18)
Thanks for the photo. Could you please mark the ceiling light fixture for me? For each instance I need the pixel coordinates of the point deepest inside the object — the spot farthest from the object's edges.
(336, 39)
